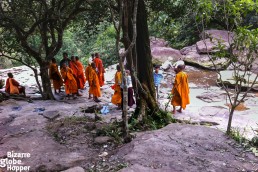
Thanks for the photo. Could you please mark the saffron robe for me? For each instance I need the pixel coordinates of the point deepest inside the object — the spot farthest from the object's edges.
(180, 90)
(101, 70)
(94, 84)
(69, 81)
(12, 86)
(80, 74)
(87, 72)
(53, 71)
(117, 97)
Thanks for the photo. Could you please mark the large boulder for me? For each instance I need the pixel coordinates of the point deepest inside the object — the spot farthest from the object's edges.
(184, 148)
(210, 46)
(204, 61)
(165, 53)
(220, 35)
(188, 50)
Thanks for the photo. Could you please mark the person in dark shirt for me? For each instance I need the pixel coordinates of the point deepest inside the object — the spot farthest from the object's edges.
(65, 60)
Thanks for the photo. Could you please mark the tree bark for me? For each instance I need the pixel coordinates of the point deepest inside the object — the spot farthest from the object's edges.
(230, 120)
(141, 60)
(46, 84)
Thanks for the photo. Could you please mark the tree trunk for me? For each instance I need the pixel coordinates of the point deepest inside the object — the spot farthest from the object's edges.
(37, 80)
(46, 84)
(142, 60)
(230, 120)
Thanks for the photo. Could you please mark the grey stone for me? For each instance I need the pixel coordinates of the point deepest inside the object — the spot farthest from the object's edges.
(51, 115)
(74, 169)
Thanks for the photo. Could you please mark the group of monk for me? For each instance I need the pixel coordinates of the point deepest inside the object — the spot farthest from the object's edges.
(74, 76)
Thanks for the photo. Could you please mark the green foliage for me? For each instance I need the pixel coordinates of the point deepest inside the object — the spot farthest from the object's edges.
(77, 42)
(173, 21)
(237, 135)
(153, 121)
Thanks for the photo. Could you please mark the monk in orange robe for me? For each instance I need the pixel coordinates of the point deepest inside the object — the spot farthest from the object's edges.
(100, 69)
(69, 81)
(75, 69)
(94, 83)
(87, 72)
(13, 87)
(180, 90)
(117, 97)
(81, 77)
(55, 76)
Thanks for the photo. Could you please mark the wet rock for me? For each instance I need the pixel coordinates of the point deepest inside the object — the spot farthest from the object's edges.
(74, 169)
(102, 140)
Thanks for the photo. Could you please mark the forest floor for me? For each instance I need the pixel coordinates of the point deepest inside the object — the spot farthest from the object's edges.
(59, 135)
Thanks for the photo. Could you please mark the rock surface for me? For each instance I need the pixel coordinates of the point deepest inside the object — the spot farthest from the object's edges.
(220, 35)
(177, 148)
(227, 77)
(74, 169)
(210, 46)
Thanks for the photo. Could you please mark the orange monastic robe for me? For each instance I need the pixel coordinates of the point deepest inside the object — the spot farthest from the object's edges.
(94, 83)
(117, 97)
(87, 72)
(180, 90)
(69, 80)
(12, 86)
(54, 74)
(101, 70)
(81, 77)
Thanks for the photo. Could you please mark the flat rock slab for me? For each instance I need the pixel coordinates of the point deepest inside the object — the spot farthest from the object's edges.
(227, 77)
(211, 97)
(74, 169)
(217, 111)
(51, 115)
(185, 148)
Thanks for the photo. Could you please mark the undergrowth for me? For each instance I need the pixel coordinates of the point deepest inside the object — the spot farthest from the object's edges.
(238, 135)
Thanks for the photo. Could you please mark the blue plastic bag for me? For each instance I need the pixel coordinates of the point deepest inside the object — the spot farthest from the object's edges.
(104, 110)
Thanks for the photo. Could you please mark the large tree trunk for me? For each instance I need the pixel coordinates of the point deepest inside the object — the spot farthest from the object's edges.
(46, 84)
(142, 62)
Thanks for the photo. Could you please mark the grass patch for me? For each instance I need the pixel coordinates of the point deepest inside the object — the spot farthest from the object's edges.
(113, 130)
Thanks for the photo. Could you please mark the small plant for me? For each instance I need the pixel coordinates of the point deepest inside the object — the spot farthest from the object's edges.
(237, 135)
